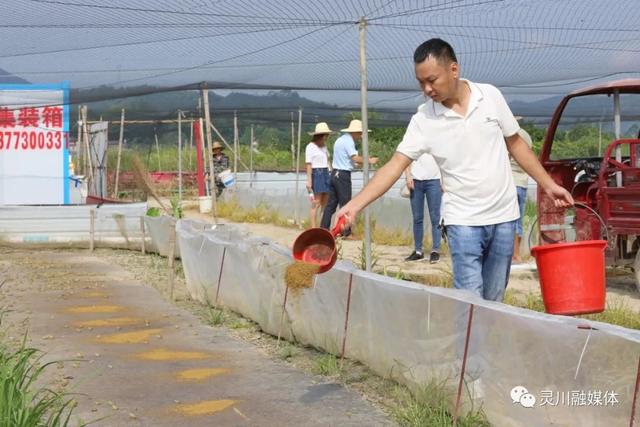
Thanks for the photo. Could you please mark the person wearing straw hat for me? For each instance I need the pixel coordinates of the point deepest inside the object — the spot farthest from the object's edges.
(220, 164)
(317, 163)
(470, 131)
(345, 156)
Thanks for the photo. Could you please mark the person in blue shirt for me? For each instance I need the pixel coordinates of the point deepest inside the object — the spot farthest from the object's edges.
(345, 156)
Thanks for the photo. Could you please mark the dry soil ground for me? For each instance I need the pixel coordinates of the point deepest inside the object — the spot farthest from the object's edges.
(132, 358)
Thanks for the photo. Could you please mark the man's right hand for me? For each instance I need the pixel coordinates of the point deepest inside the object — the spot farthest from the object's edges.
(373, 160)
(349, 212)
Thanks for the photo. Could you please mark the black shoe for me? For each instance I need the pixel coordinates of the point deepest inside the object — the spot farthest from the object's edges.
(414, 256)
(434, 257)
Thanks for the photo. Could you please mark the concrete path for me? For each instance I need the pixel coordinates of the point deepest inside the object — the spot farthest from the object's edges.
(137, 360)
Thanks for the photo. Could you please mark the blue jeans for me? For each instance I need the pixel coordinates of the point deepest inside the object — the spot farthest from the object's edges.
(430, 189)
(481, 258)
(522, 200)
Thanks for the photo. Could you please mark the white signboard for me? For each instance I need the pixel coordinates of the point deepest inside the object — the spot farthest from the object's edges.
(34, 129)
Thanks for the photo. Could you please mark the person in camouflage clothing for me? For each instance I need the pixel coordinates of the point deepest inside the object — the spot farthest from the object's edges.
(220, 163)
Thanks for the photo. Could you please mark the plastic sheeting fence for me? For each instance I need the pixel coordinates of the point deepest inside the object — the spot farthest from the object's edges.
(114, 224)
(576, 372)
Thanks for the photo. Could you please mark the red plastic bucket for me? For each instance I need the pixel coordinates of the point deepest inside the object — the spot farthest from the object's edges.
(572, 276)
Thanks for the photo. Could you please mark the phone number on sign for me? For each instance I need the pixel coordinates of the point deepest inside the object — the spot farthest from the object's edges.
(30, 140)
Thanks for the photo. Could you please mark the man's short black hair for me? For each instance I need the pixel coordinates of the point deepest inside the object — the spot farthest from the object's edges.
(438, 48)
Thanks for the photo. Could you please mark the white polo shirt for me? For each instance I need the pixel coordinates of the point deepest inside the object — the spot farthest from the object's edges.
(472, 155)
(317, 156)
(425, 168)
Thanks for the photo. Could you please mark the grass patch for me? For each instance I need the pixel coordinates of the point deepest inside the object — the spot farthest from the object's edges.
(429, 406)
(441, 279)
(22, 403)
(240, 323)
(216, 316)
(288, 351)
(261, 213)
(328, 365)
(617, 312)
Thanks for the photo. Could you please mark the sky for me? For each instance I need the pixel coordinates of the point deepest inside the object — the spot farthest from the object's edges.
(530, 49)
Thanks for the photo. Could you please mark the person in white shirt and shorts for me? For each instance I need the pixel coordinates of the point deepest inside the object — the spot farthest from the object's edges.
(317, 165)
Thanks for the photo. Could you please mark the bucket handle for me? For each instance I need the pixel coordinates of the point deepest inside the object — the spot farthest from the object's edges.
(578, 205)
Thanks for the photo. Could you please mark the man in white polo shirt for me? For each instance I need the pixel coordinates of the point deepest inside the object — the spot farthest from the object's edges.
(470, 131)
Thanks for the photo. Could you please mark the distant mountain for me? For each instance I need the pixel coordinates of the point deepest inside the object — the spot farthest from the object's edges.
(275, 108)
(6, 78)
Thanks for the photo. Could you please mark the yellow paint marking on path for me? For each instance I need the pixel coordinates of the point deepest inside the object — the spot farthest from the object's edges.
(114, 321)
(96, 309)
(134, 337)
(199, 374)
(93, 294)
(162, 354)
(207, 407)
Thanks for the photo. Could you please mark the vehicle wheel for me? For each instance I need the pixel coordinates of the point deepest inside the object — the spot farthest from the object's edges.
(636, 270)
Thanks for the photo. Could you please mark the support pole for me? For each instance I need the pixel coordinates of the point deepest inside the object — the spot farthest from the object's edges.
(88, 160)
(295, 196)
(293, 144)
(92, 229)
(616, 118)
(172, 256)
(346, 322)
(155, 135)
(251, 159)
(115, 191)
(179, 158)
(200, 159)
(212, 180)
(190, 146)
(78, 169)
(235, 147)
(456, 413)
(224, 252)
(143, 247)
(365, 139)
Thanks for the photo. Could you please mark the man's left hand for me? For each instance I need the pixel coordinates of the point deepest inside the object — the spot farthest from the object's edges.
(561, 197)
